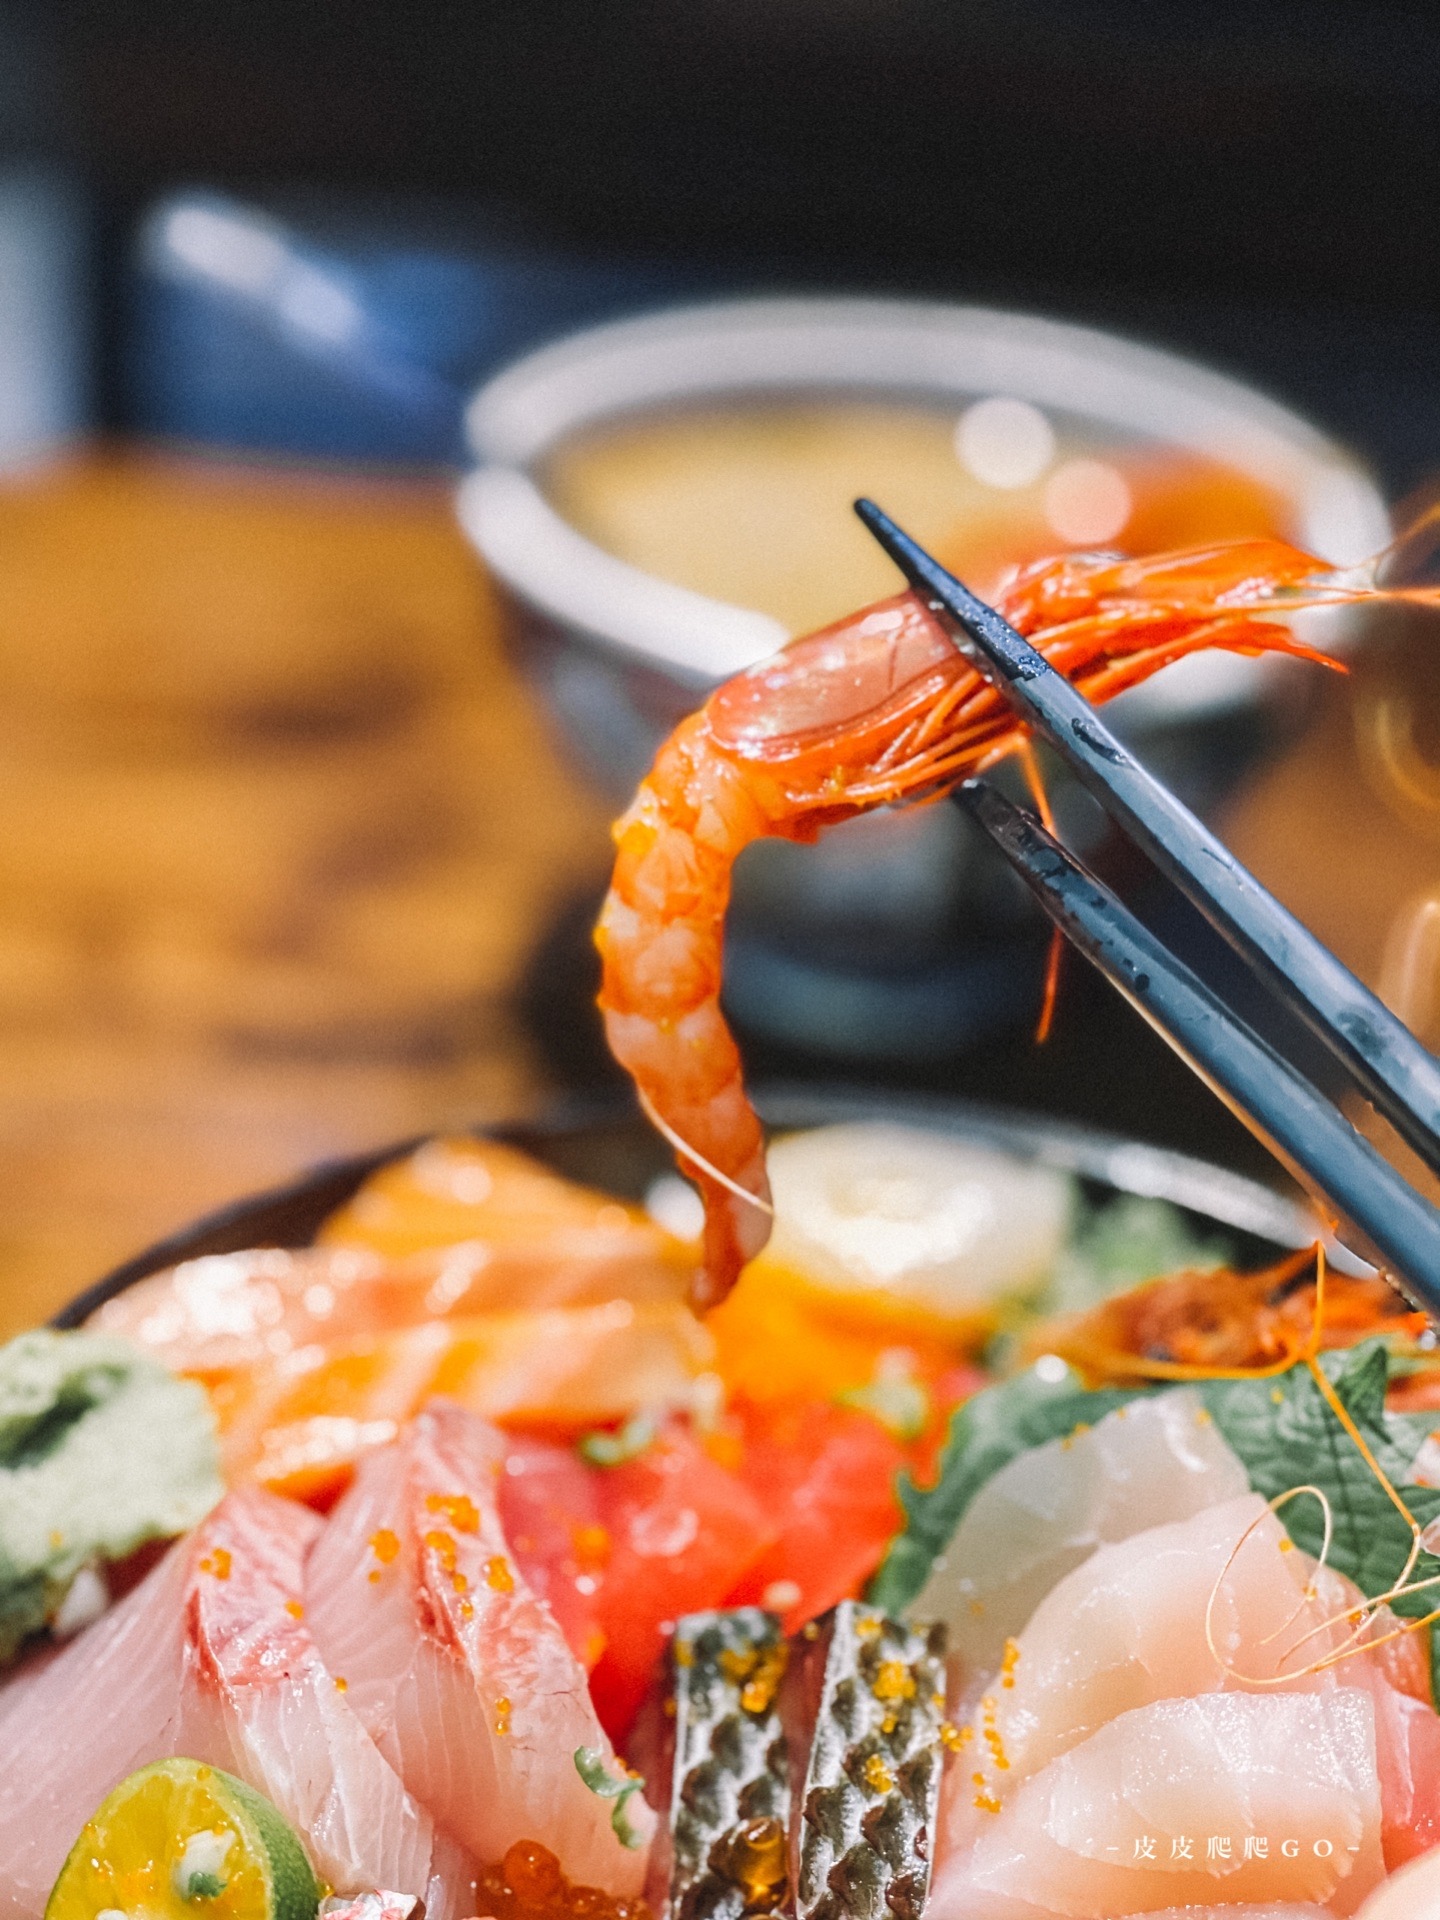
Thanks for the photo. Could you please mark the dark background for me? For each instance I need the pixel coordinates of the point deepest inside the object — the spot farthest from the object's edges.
(1256, 180)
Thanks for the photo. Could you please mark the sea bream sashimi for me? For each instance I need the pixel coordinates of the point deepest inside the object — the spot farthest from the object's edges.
(1046, 1511)
(1219, 1602)
(210, 1657)
(461, 1674)
(1225, 1798)
(1176, 1610)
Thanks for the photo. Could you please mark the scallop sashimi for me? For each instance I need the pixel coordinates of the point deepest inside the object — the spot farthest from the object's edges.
(876, 1210)
(211, 1658)
(461, 1674)
(1046, 1511)
(1225, 1798)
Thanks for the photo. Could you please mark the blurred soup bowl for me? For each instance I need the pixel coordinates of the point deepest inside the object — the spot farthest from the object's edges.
(663, 501)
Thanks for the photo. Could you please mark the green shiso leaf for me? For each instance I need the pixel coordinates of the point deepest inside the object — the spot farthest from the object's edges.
(1283, 1431)
(985, 1433)
(1287, 1436)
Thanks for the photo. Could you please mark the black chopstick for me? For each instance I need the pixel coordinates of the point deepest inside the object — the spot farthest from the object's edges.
(1382, 1056)
(1384, 1219)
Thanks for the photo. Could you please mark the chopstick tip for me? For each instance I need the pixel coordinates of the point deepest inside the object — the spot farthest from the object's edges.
(911, 558)
(875, 519)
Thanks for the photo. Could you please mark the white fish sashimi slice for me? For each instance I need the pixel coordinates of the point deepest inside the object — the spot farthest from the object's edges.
(1049, 1509)
(454, 1888)
(290, 1730)
(1104, 1829)
(109, 1703)
(1411, 1894)
(1407, 1733)
(1270, 1910)
(460, 1673)
(1129, 1627)
(206, 1658)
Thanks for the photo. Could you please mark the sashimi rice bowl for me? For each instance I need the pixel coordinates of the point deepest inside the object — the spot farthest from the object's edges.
(948, 1565)
(873, 1523)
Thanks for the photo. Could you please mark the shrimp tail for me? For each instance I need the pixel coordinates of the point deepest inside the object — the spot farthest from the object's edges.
(660, 937)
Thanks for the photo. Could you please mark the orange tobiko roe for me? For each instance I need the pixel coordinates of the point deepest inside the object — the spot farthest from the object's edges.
(780, 1336)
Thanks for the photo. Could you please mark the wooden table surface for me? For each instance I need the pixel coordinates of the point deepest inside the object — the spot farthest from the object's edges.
(279, 831)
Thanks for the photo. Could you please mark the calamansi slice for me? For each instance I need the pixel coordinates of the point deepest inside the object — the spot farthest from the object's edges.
(183, 1841)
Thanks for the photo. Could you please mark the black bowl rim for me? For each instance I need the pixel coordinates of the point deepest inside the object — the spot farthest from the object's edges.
(289, 1215)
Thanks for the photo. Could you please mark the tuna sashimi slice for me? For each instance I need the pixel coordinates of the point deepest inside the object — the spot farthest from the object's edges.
(1226, 1798)
(460, 1673)
(209, 1657)
(1049, 1509)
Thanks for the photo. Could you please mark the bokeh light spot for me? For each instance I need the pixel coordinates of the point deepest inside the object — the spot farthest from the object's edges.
(1006, 443)
(1086, 502)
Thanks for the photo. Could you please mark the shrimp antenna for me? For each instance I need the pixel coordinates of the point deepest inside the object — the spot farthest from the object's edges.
(1035, 781)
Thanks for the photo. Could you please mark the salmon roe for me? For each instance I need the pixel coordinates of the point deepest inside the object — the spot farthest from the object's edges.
(529, 1885)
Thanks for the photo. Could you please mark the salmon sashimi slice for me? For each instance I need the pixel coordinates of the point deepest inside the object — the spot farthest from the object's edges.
(481, 1191)
(1225, 1798)
(1050, 1508)
(209, 1657)
(230, 1310)
(461, 1674)
(299, 1425)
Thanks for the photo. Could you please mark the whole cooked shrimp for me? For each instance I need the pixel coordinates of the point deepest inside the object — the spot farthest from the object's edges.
(878, 708)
